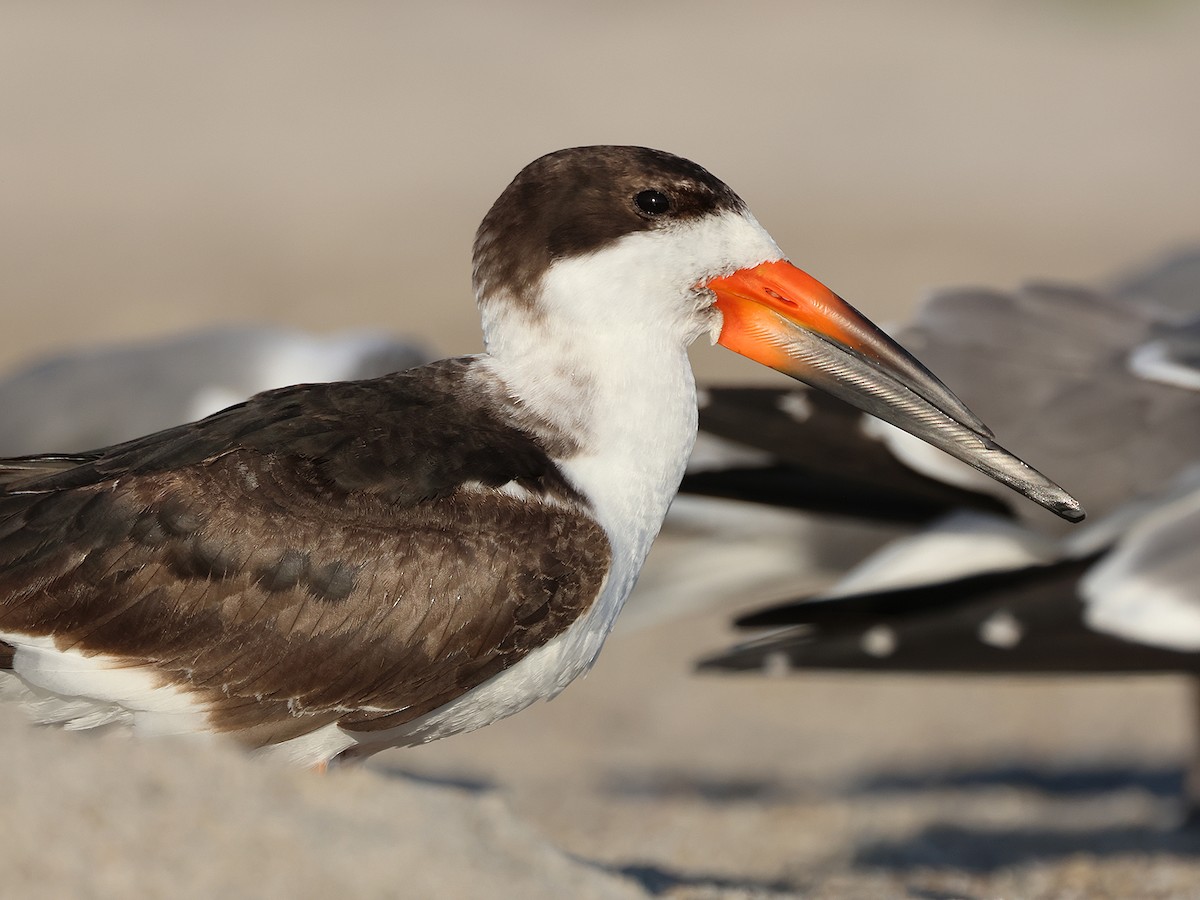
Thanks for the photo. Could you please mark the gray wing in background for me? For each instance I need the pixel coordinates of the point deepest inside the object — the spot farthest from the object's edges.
(100, 396)
(1050, 369)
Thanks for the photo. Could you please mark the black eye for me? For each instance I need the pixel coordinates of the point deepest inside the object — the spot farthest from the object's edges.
(652, 203)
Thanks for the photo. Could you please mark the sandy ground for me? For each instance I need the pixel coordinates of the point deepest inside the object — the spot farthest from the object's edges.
(166, 166)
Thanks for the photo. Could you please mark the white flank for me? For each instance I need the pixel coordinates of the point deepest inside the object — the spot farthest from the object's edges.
(312, 749)
(67, 688)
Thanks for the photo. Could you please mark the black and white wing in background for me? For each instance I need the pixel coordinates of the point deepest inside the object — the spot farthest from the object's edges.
(1102, 385)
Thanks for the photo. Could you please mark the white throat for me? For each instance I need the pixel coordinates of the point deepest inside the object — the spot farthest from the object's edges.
(626, 399)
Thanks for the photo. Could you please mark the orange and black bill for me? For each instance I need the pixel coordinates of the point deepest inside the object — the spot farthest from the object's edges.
(784, 318)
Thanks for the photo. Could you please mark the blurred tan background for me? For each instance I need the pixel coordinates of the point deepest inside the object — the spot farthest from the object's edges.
(164, 166)
(324, 165)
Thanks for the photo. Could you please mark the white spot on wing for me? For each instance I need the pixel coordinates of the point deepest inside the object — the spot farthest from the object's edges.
(879, 641)
(1001, 629)
(795, 405)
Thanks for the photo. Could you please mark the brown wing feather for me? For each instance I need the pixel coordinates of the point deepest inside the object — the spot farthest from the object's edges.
(290, 588)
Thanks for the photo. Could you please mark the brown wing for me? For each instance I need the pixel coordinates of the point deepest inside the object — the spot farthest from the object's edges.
(288, 587)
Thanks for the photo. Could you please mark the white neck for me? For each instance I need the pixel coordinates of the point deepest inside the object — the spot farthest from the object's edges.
(625, 395)
(637, 425)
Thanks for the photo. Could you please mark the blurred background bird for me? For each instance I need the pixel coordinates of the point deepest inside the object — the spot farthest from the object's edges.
(1111, 380)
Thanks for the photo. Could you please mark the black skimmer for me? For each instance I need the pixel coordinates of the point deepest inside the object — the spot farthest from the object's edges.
(327, 570)
(82, 398)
